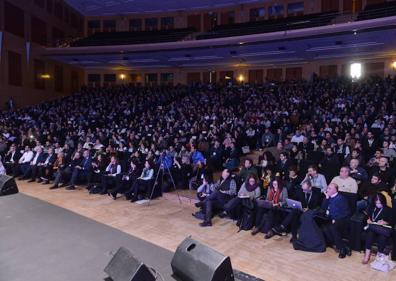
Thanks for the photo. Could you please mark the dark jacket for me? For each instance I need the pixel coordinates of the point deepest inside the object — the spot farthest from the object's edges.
(14, 158)
(51, 160)
(386, 214)
(86, 163)
(330, 166)
(41, 158)
(368, 189)
(313, 201)
(337, 207)
(310, 237)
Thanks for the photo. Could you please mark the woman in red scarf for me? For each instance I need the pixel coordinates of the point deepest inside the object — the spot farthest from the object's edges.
(269, 214)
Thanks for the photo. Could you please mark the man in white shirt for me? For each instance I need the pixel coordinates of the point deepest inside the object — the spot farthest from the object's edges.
(24, 161)
(297, 138)
(344, 182)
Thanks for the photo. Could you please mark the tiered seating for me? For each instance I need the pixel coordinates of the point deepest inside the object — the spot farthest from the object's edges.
(131, 38)
(266, 26)
(382, 10)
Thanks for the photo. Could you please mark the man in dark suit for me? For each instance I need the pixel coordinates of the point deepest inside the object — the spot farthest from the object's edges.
(46, 166)
(11, 160)
(369, 145)
(283, 164)
(81, 171)
(38, 160)
(338, 213)
(310, 198)
(330, 165)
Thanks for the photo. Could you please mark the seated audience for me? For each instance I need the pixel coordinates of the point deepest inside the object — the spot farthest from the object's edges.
(330, 165)
(81, 170)
(2, 168)
(282, 166)
(204, 190)
(143, 184)
(292, 182)
(379, 226)
(384, 171)
(215, 160)
(247, 170)
(11, 160)
(109, 178)
(338, 213)
(38, 160)
(246, 197)
(357, 172)
(269, 214)
(99, 165)
(232, 161)
(314, 122)
(310, 198)
(368, 190)
(127, 179)
(46, 168)
(317, 180)
(59, 166)
(224, 190)
(345, 182)
(24, 162)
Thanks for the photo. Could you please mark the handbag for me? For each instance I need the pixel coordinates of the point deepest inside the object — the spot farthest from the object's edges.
(382, 263)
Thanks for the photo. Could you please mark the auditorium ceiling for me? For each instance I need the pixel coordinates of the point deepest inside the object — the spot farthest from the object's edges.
(121, 7)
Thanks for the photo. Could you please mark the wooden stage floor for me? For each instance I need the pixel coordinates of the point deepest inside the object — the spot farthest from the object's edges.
(166, 223)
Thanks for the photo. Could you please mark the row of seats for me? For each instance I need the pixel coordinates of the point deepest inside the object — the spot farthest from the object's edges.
(386, 9)
(290, 23)
(131, 38)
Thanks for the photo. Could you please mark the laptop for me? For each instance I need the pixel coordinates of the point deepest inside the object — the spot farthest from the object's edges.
(264, 204)
(294, 204)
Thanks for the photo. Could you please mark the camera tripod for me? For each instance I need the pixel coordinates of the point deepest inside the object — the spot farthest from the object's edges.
(162, 170)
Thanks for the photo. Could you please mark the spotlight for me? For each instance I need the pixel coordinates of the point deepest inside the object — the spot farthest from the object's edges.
(356, 70)
(122, 76)
(241, 78)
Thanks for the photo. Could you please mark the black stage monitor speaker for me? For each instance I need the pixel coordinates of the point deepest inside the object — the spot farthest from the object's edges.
(194, 261)
(125, 267)
(7, 185)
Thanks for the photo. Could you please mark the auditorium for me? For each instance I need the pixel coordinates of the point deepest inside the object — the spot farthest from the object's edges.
(197, 140)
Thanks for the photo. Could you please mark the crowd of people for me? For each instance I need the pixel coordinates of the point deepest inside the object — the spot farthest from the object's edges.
(327, 150)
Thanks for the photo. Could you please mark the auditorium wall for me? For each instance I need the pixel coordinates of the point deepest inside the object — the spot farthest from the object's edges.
(27, 27)
(204, 19)
(324, 69)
